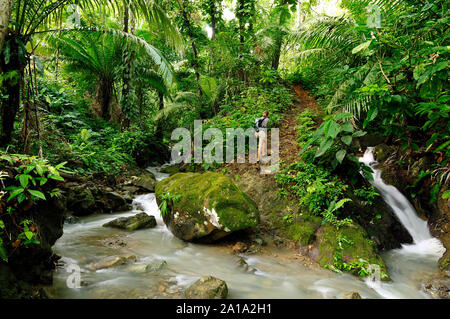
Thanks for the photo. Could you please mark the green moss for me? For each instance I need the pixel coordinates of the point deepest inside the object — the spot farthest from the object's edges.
(444, 261)
(303, 230)
(212, 191)
(348, 249)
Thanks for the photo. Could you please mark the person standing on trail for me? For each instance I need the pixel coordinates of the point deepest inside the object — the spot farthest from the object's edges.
(261, 133)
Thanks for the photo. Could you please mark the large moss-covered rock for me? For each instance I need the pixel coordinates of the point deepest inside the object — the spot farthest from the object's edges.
(206, 206)
(302, 230)
(350, 242)
(207, 287)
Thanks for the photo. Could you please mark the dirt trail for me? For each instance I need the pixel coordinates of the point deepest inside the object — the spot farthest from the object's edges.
(264, 190)
(288, 128)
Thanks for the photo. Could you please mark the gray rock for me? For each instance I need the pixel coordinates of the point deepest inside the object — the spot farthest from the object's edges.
(351, 295)
(112, 262)
(154, 266)
(147, 181)
(138, 221)
(207, 287)
(80, 201)
(437, 289)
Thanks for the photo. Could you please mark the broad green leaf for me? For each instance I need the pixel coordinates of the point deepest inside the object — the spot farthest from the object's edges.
(23, 179)
(361, 47)
(332, 130)
(324, 146)
(347, 139)
(56, 177)
(340, 155)
(359, 134)
(15, 193)
(29, 235)
(39, 169)
(37, 194)
(347, 127)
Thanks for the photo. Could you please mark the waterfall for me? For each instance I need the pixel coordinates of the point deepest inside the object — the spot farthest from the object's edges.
(402, 208)
(425, 248)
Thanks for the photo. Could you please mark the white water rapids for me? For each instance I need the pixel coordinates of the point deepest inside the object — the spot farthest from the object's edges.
(87, 241)
(425, 248)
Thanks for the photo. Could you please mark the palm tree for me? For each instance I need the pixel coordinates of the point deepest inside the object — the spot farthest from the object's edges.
(29, 17)
(100, 55)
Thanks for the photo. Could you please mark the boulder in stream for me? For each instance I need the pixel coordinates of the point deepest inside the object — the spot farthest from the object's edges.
(207, 287)
(351, 295)
(112, 262)
(138, 221)
(154, 266)
(347, 248)
(147, 181)
(204, 207)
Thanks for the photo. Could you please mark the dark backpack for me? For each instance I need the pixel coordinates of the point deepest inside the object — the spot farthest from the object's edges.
(258, 123)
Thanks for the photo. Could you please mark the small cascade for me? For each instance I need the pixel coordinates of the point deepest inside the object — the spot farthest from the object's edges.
(425, 248)
(402, 208)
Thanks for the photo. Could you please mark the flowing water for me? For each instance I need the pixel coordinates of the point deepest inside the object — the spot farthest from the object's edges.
(87, 241)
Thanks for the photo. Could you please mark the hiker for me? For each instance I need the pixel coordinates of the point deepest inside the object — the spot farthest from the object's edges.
(261, 133)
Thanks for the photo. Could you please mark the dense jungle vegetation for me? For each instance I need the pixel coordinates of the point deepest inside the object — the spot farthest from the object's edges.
(95, 88)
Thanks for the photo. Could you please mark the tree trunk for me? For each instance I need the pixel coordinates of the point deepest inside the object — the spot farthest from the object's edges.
(126, 58)
(277, 52)
(159, 128)
(5, 14)
(103, 99)
(12, 85)
(195, 64)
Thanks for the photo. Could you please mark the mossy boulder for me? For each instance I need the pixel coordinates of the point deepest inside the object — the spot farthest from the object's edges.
(347, 249)
(181, 168)
(205, 207)
(302, 230)
(147, 181)
(207, 287)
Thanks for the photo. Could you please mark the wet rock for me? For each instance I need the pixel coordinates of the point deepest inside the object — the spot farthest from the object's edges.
(112, 262)
(80, 200)
(207, 287)
(207, 206)
(138, 221)
(357, 247)
(379, 221)
(437, 289)
(242, 265)
(303, 228)
(146, 181)
(239, 247)
(113, 202)
(115, 242)
(154, 266)
(382, 152)
(351, 295)
(132, 190)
